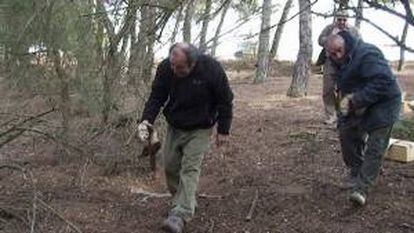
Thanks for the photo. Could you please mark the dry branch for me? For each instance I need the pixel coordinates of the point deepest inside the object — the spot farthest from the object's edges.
(10, 212)
(147, 194)
(53, 138)
(27, 175)
(48, 207)
(29, 119)
(211, 229)
(207, 196)
(12, 137)
(253, 206)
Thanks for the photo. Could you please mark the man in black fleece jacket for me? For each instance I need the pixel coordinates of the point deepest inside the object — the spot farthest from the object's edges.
(197, 94)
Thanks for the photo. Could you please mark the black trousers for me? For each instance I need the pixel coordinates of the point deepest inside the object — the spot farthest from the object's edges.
(363, 153)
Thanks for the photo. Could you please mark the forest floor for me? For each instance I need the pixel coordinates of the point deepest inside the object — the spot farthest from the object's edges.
(279, 148)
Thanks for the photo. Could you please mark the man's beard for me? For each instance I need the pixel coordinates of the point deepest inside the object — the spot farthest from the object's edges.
(182, 73)
(339, 62)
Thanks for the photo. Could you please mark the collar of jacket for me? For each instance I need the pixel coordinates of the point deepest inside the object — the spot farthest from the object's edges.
(352, 51)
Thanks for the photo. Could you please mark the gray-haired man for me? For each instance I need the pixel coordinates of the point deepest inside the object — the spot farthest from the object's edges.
(329, 71)
(198, 96)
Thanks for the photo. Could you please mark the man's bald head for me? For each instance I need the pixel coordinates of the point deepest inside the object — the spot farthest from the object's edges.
(335, 46)
(183, 57)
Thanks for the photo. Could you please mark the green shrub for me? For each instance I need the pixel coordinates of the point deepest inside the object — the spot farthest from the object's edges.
(404, 129)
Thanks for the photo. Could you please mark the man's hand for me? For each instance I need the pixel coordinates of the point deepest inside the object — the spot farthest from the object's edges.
(144, 130)
(222, 139)
(345, 105)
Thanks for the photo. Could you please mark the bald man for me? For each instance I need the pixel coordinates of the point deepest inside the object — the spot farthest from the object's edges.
(198, 97)
(329, 70)
(369, 107)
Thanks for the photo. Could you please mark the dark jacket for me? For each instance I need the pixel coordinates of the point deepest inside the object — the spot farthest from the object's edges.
(197, 101)
(367, 75)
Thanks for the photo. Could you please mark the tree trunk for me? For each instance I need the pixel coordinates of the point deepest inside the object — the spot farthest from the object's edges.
(142, 53)
(279, 30)
(359, 14)
(219, 27)
(107, 82)
(189, 13)
(112, 62)
(64, 103)
(177, 25)
(402, 50)
(151, 37)
(64, 100)
(263, 53)
(206, 21)
(301, 72)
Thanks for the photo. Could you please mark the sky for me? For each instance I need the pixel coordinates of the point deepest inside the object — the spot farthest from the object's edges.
(289, 44)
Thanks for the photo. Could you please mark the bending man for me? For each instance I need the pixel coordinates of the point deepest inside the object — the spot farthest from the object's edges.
(370, 105)
(198, 96)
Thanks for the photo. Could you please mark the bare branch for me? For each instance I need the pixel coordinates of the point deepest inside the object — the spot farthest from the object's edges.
(48, 207)
(393, 38)
(408, 11)
(222, 6)
(31, 118)
(408, 17)
(283, 22)
(53, 138)
(240, 23)
(26, 26)
(253, 206)
(27, 175)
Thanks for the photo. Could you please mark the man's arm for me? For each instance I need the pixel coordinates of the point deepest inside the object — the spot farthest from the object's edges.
(378, 76)
(224, 98)
(159, 93)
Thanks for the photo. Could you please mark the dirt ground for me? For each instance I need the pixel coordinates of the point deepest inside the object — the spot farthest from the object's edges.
(279, 147)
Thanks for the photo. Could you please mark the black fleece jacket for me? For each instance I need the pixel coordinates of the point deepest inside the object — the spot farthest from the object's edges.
(197, 101)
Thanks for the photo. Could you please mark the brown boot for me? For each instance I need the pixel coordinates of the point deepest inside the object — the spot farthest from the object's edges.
(173, 224)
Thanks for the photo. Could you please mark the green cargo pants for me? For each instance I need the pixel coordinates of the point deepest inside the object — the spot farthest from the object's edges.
(183, 155)
(329, 88)
(363, 153)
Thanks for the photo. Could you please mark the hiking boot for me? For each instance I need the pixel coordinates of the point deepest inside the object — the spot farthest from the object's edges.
(358, 198)
(173, 224)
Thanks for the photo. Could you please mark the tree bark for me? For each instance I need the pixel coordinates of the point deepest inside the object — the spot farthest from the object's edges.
(204, 28)
(279, 30)
(112, 63)
(301, 72)
(219, 27)
(189, 13)
(263, 52)
(64, 103)
(402, 49)
(359, 14)
(151, 37)
(107, 82)
(142, 54)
